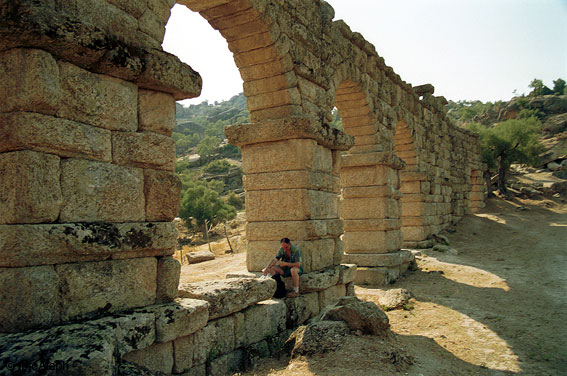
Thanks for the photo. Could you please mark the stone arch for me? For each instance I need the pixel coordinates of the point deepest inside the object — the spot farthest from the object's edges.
(414, 186)
(261, 53)
(370, 207)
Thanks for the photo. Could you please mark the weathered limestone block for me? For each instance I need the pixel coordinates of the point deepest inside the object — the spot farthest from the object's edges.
(156, 112)
(30, 81)
(165, 72)
(215, 339)
(156, 358)
(372, 224)
(374, 259)
(30, 298)
(316, 254)
(316, 280)
(369, 175)
(382, 191)
(291, 205)
(150, 24)
(265, 319)
(331, 295)
(372, 241)
(168, 271)
(297, 230)
(162, 191)
(128, 332)
(31, 131)
(299, 154)
(229, 295)
(227, 364)
(301, 309)
(89, 289)
(71, 349)
(414, 233)
(321, 181)
(143, 149)
(380, 276)
(347, 273)
(97, 100)
(377, 207)
(199, 256)
(27, 245)
(30, 189)
(358, 315)
(179, 318)
(269, 84)
(95, 191)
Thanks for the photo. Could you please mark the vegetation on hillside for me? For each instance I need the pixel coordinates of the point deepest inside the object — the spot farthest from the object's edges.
(510, 132)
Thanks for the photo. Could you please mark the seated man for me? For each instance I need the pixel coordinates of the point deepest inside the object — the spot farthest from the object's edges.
(288, 259)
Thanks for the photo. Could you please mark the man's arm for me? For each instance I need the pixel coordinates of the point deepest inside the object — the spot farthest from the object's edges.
(272, 263)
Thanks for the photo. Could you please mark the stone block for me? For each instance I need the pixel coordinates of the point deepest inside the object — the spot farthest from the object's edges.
(385, 224)
(30, 298)
(183, 349)
(149, 23)
(331, 295)
(411, 187)
(227, 364)
(129, 332)
(30, 189)
(156, 358)
(168, 271)
(95, 191)
(156, 112)
(368, 176)
(347, 273)
(162, 190)
(374, 259)
(301, 309)
(372, 241)
(265, 319)
(382, 191)
(362, 208)
(78, 349)
(143, 149)
(27, 245)
(31, 131)
(287, 155)
(93, 288)
(199, 256)
(179, 318)
(321, 181)
(30, 81)
(414, 233)
(315, 281)
(291, 205)
(97, 100)
(350, 291)
(215, 339)
(297, 230)
(378, 276)
(229, 295)
(413, 209)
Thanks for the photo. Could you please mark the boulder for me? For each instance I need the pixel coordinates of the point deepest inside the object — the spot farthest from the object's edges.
(229, 295)
(393, 299)
(199, 256)
(318, 337)
(358, 315)
(553, 166)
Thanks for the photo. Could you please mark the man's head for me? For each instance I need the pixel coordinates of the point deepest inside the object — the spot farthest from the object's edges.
(286, 244)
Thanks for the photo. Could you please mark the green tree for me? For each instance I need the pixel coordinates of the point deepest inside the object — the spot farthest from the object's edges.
(203, 204)
(539, 88)
(220, 166)
(512, 141)
(559, 86)
(207, 146)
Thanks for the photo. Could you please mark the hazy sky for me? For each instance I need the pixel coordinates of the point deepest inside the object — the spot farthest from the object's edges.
(468, 49)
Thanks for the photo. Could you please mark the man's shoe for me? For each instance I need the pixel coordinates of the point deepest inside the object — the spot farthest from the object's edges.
(293, 294)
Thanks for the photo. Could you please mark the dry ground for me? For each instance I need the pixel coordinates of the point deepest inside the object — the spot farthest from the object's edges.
(498, 307)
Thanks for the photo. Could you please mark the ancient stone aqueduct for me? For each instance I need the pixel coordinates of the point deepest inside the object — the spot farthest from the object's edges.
(88, 191)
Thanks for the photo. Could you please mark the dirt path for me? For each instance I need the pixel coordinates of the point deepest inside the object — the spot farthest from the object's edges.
(499, 306)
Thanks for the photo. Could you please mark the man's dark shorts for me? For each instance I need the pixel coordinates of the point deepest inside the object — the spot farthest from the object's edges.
(287, 271)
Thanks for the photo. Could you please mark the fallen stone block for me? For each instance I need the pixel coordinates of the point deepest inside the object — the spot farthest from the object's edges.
(199, 256)
(319, 337)
(393, 299)
(358, 315)
(229, 295)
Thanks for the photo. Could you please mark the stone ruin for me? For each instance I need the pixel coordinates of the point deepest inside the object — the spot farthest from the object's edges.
(88, 192)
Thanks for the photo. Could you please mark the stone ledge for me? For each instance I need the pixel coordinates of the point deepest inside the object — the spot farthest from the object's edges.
(285, 129)
(229, 295)
(47, 244)
(372, 159)
(92, 48)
